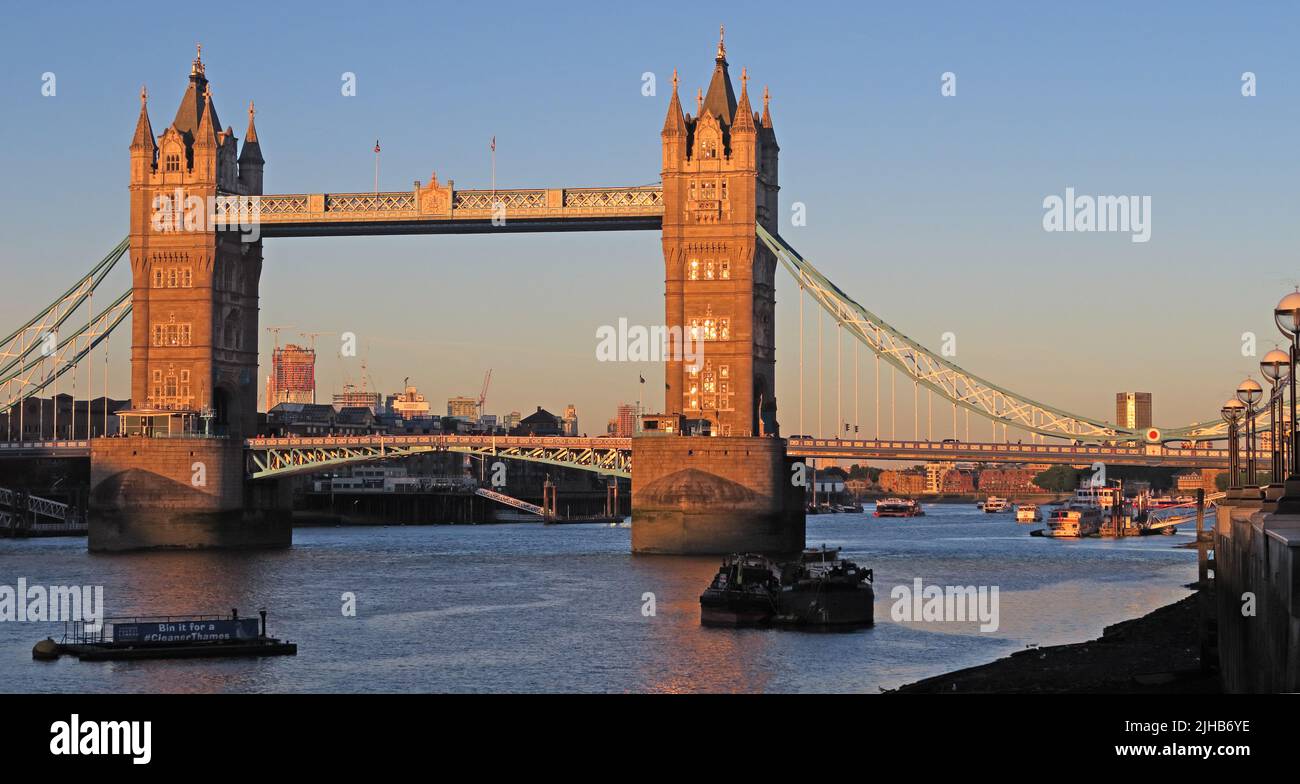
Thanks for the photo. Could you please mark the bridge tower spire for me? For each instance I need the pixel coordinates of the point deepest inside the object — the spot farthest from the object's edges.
(719, 178)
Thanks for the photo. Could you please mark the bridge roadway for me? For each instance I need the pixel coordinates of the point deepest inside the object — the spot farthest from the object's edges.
(958, 451)
(297, 455)
(613, 455)
(440, 209)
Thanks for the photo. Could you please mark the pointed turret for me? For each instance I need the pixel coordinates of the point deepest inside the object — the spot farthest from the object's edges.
(675, 122)
(675, 135)
(250, 157)
(720, 100)
(144, 148)
(209, 125)
(744, 116)
(252, 152)
(144, 139)
(767, 112)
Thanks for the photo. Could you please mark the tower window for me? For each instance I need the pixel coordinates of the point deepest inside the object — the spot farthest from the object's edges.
(725, 272)
(693, 269)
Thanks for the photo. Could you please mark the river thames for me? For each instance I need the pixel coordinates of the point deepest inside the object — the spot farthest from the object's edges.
(532, 608)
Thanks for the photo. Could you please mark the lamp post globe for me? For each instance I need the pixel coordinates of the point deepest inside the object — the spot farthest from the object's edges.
(1287, 314)
(1287, 317)
(1275, 365)
(1249, 392)
(1232, 410)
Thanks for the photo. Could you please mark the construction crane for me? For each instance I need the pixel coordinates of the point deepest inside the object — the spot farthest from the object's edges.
(482, 396)
(312, 337)
(275, 331)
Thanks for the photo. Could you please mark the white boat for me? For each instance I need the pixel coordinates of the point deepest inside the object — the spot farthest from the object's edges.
(1103, 498)
(1028, 513)
(994, 504)
(1073, 521)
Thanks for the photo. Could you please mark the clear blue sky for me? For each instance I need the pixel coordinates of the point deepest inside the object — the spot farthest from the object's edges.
(927, 209)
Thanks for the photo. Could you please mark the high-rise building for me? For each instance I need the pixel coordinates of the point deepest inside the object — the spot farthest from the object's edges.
(625, 421)
(570, 420)
(1133, 410)
(465, 408)
(293, 376)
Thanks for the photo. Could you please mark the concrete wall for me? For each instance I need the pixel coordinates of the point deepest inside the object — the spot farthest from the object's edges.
(700, 495)
(1256, 552)
(148, 493)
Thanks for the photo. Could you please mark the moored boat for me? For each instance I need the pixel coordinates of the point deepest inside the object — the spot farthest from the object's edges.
(1073, 521)
(822, 589)
(743, 592)
(898, 507)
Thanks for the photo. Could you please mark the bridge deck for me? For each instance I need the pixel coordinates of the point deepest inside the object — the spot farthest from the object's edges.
(948, 451)
(860, 449)
(435, 209)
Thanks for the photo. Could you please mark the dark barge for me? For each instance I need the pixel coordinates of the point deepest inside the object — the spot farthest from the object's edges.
(819, 590)
(166, 637)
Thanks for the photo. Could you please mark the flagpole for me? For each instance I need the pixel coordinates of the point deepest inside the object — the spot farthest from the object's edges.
(376, 167)
(494, 172)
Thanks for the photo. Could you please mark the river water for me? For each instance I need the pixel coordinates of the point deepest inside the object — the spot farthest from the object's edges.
(529, 608)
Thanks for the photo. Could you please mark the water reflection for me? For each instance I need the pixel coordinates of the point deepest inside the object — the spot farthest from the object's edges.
(532, 608)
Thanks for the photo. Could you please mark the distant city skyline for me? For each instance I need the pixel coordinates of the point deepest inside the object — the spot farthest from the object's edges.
(926, 209)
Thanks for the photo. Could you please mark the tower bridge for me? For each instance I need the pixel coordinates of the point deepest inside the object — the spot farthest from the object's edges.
(195, 472)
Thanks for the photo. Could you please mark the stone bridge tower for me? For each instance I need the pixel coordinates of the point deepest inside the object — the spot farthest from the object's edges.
(193, 347)
(719, 179)
(736, 491)
(195, 285)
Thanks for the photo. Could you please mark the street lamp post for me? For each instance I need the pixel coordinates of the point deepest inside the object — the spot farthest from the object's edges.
(1287, 317)
(1249, 392)
(1276, 367)
(1232, 413)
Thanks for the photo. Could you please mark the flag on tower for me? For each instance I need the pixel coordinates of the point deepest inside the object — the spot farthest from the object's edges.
(494, 143)
(376, 146)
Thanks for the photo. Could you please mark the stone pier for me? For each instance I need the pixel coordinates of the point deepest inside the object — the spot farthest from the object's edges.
(695, 495)
(181, 493)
